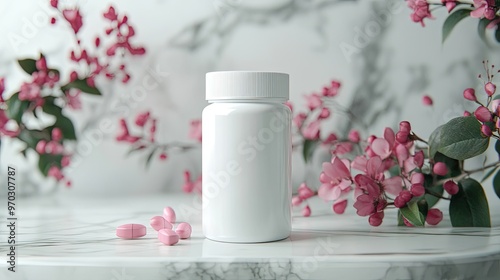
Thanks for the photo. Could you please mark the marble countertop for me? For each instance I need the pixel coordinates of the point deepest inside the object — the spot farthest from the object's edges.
(65, 237)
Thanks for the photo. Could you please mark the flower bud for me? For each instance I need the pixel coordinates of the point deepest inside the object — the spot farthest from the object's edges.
(450, 187)
(470, 94)
(434, 216)
(486, 130)
(440, 169)
(490, 88)
(417, 190)
(375, 219)
(482, 114)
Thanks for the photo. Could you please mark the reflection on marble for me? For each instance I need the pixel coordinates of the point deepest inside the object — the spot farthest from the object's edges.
(71, 238)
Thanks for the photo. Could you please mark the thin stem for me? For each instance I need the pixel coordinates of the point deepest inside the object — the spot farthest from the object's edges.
(467, 173)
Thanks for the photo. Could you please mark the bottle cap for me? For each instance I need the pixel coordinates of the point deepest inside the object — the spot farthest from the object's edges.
(247, 85)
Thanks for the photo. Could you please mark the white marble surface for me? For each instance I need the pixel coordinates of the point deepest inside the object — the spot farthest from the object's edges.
(63, 237)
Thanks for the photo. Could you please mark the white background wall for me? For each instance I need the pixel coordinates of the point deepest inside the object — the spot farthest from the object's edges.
(399, 65)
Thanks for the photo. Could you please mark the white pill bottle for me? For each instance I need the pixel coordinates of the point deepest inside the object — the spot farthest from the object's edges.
(246, 169)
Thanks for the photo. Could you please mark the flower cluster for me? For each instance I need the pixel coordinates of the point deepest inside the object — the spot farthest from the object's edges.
(483, 9)
(50, 91)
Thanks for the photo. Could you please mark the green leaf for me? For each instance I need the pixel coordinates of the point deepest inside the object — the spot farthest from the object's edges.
(135, 149)
(452, 20)
(82, 85)
(150, 157)
(469, 207)
(488, 174)
(27, 137)
(423, 207)
(308, 149)
(497, 147)
(46, 161)
(497, 34)
(400, 219)
(413, 215)
(16, 107)
(62, 122)
(481, 30)
(460, 139)
(496, 184)
(28, 65)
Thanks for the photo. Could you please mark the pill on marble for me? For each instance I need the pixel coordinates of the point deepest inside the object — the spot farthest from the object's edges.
(131, 231)
(168, 236)
(169, 214)
(183, 230)
(158, 222)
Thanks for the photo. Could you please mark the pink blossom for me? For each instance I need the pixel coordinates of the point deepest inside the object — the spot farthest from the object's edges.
(163, 156)
(29, 91)
(420, 10)
(375, 219)
(417, 178)
(189, 185)
(381, 148)
(405, 126)
(57, 134)
(289, 105)
(417, 190)
(195, 130)
(3, 123)
(41, 64)
(419, 158)
(305, 192)
(434, 216)
(467, 113)
(335, 179)
(330, 139)
(402, 154)
(124, 135)
(53, 20)
(141, 119)
(354, 136)
(299, 119)
(55, 172)
(111, 14)
(367, 202)
(450, 187)
(482, 114)
(306, 212)
(470, 94)
(440, 169)
(359, 163)
(450, 4)
(65, 161)
(311, 131)
(54, 3)
(313, 101)
(73, 98)
(296, 201)
(342, 148)
(494, 106)
(490, 88)
(332, 90)
(54, 148)
(324, 114)
(152, 130)
(393, 185)
(339, 206)
(74, 18)
(40, 147)
(97, 42)
(486, 130)
(427, 100)
(484, 8)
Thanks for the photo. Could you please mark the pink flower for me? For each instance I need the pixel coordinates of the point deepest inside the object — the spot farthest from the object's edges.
(124, 135)
(354, 136)
(330, 139)
(189, 185)
(195, 130)
(484, 8)
(494, 106)
(368, 201)
(57, 134)
(450, 187)
(54, 3)
(417, 190)
(339, 206)
(482, 114)
(65, 161)
(335, 179)
(313, 101)
(111, 14)
(306, 212)
(332, 90)
(467, 113)
(299, 119)
(3, 123)
(450, 4)
(29, 91)
(434, 216)
(163, 156)
(152, 130)
(490, 88)
(55, 172)
(486, 130)
(381, 148)
(470, 94)
(305, 192)
(141, 119)
(427, 100)
(440, 169)
(74, 18)
(41, 64)
(342, 148)
(73, 98)
(311, 131)
(420, 10)
(324, 114)
(296, 201)
(289, 105)
(40, 147)
(375, 219)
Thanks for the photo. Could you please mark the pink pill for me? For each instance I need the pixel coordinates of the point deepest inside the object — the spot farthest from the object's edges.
(169, 214)
(158, 222)
(183, 230)
(131, 231)
(168, 236)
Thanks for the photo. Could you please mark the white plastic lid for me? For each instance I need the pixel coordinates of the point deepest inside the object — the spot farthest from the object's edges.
(247, 85)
